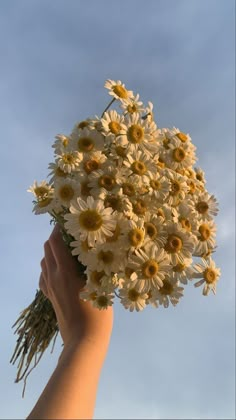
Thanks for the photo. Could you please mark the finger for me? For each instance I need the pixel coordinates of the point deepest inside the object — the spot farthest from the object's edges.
(49, 258)
(43, 285)
(58, 247)
(44, 267)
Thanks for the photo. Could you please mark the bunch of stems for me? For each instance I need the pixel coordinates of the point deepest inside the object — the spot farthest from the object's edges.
(37, 325)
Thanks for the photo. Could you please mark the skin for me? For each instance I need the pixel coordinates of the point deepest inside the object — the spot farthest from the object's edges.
(71, 391)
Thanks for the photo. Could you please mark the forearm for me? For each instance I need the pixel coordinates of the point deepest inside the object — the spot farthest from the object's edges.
(71, 390)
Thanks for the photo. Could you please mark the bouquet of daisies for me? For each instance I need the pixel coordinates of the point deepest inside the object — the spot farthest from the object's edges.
(133, 209)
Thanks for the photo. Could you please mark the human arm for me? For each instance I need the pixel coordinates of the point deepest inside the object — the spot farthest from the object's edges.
(71, 390)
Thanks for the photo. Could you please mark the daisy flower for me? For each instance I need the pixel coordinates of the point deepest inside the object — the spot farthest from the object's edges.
(69, 162)
(158, 186)
(205, 234)
(87, 141)
(139, 134)
(179, 244)
(93, 162)
(100, 299)
(81, 250)
(133, 299)
(185, 215)
(88, 123)
(134, 235)
(169, 292)
(66, 190)
(41, 190)
(117, 201)
(164, 212)
(154, 229)
(182, 272)
(183, 137)
(151, 265)
(61, 144)
(112, 123)
(56, 172)
(90, 220)
(103, 180)
(152, 298)
(206, 206)
(209, 275)
(132, 106)
(106, 257)
(200, 175)
(139, 167)
(118, 90)
(178, 187)
(179, 155)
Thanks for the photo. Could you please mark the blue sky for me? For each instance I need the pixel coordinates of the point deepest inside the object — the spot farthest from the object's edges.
(55, 57)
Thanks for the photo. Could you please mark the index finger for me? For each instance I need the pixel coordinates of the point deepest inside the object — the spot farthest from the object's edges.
(59, 248)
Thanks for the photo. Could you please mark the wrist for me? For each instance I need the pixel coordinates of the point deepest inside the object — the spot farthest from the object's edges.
(96, 344)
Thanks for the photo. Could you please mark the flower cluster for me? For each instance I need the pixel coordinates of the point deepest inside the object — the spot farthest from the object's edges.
(137, 208)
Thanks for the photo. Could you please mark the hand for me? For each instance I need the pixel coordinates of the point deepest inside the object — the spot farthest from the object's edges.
(61, 284)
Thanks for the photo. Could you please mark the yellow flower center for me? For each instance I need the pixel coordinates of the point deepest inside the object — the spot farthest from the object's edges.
(120, 151)
(85, 144)
(199, 177)
(182, 137)
(83, 124)
(44, 202)
(114, 127)
(185, 223)
(102, 301)
(96, 277)
(175, 187)
(179, 267)
(66, 192)
(138, 167)
(41, 191)
(179, 154)
(210, 275)
(154, 184)
(202, 207)
(113, 201)
(135, 133)
(90, 220)
(107, 181)
(174, 244)
(68, 158)
(135, 237)
(120, 91)
(151, 230)
(167, 288)
(132, 108)
(139, 207)
(166, 143)
(150, 268)
(204, 231)
(128, 189)
(91, 165)
(106, 256)
(133, 295)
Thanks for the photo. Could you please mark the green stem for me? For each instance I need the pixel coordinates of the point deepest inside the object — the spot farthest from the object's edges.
(108, 106)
